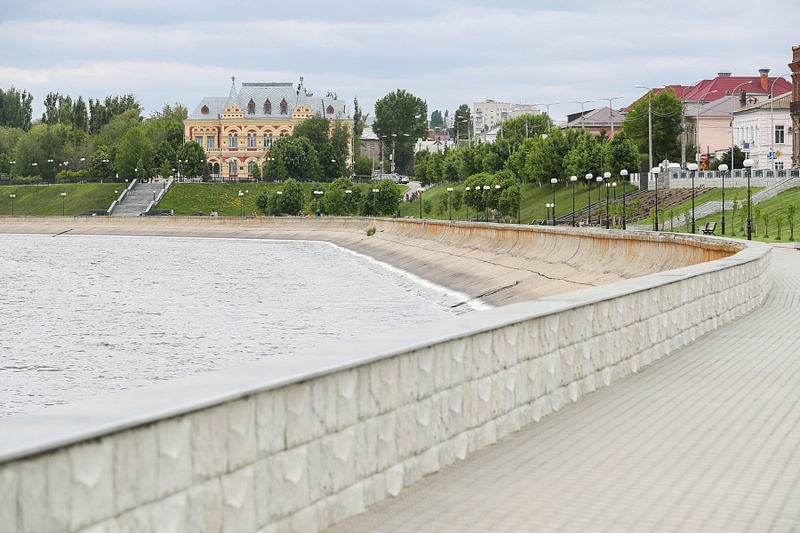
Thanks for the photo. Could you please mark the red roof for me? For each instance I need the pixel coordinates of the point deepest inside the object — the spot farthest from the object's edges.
(722, 86)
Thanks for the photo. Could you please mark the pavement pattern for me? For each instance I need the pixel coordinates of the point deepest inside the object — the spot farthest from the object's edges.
(706, 439)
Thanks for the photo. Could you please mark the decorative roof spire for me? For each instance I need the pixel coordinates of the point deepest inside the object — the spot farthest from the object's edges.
(233, 97)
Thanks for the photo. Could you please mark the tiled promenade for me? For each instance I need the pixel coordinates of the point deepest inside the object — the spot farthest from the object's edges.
(707, 439)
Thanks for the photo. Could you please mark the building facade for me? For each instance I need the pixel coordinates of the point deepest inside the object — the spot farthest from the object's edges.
(794, 106)
(761, 131)
(237, 131)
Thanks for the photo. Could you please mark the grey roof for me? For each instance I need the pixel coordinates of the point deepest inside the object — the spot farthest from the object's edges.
(597, 117)
(275, 94)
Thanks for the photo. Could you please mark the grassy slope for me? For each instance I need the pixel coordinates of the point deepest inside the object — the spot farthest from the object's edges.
(188, 199)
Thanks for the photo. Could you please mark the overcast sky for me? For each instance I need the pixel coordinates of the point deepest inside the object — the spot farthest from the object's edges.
(447, 52)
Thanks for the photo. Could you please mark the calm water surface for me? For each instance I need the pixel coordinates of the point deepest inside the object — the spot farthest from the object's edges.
(87, 315)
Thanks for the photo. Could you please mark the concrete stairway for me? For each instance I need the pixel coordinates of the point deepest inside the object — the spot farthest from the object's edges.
(138, 199)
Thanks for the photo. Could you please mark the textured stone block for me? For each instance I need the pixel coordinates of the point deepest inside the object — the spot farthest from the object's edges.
(386, 441)
(366, 445)
(174, 456)
(242, 437)
(210, 443)
(205, 505)
(289, 480)
(31, 497)
(169, 515)
(406, 432)
(92, 483)
(271, 421)
(9, 489)
(426, 378)
(346, 401)
(320, 477)
(340, 452)
(299, 418)
(135, 467)
(408, 369)
(395, 480)
(239, 512)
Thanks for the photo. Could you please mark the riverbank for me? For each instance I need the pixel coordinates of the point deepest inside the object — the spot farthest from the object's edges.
(496, 263)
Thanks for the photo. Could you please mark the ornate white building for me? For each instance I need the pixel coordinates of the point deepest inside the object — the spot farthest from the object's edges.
(763, 132)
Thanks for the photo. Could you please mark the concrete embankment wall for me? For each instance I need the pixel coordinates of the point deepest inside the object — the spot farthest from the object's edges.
(302, 441)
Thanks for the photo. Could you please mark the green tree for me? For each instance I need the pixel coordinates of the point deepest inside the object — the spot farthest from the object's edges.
(194, 159)
(101, 163)
(667, 113)
(16, 109)
(437, 121)
(293, 158)
(101, 113)
(135, 147)
(738, 157)
(290, 201)
(401, 119)
(337, 201)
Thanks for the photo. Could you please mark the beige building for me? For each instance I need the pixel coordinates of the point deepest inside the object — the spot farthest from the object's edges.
(237, 131)
(486, 115)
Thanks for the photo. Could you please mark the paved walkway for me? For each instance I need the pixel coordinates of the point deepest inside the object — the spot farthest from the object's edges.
(707, 439)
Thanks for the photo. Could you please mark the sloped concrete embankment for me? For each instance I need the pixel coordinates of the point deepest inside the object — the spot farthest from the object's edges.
(302, 441)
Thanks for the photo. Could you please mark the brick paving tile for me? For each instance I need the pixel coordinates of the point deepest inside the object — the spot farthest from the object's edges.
(706, 439)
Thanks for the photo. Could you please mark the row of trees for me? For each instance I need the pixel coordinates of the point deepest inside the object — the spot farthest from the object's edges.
(342, 197)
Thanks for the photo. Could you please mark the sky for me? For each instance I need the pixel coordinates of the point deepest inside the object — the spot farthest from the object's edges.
(446, 52)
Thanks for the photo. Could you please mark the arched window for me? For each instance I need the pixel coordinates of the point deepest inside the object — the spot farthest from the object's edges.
(284, 107)
(267, 107)
(251, 107)
(329, 110)
(233, 140)
(204, 110)
(232, 167)
(250, 165)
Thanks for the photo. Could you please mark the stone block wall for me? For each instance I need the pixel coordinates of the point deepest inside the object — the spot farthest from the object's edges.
(301, 442)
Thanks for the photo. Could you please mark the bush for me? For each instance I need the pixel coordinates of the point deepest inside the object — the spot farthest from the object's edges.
(370, 231)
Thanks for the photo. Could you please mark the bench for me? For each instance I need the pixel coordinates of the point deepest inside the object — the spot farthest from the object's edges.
(708, 229)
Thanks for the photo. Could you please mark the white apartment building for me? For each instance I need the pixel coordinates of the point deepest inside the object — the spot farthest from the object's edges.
(763, 131)
(486, 115)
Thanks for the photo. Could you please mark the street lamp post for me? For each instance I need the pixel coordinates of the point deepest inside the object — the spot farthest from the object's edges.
(466, 200)
(614, 188)
(655, 171)
(349, 194)
(748, 165)
(486, 202)
(547, 108)
(317, 206)
(553, 182)
(583, 127)
(624, 174)
(693, 169)
(420, 191)
(733, 139)
(772, 122)
(649, 128)
(548, 205)
(450, 202)
(573, 179)
(606, 177)
(599, 180)
(63, 197)
(611, 110)
(278, 195)
(497, 190)
(723, 168)
(12, 196)
(589, 199)
(154, 197)
(241, 199)
(375, 200)
(697, 127)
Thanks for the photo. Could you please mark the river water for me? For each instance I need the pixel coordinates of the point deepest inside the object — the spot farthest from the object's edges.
(88, 315)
